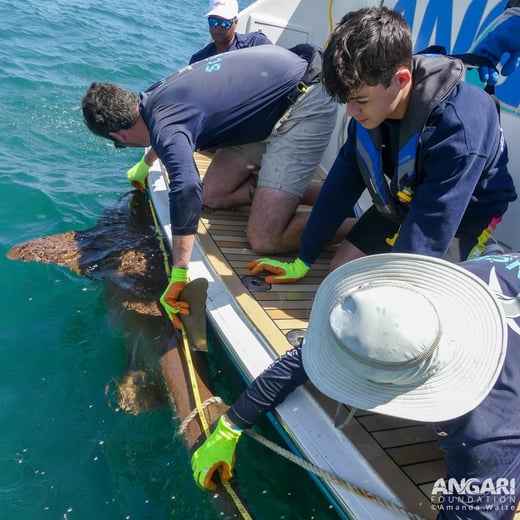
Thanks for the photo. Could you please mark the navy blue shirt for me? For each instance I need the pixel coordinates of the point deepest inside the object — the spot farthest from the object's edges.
(484, 443)
(231, 99)
(241, 41)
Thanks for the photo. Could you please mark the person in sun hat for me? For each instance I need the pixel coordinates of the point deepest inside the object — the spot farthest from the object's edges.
(222, 22)
(414, 337)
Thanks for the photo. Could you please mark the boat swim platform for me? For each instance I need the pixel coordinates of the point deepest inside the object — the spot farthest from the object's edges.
(395, 459)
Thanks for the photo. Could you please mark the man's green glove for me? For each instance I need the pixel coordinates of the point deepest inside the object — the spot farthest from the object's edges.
(286, 272)
(218, 451)
(137, 174)
(169, 299)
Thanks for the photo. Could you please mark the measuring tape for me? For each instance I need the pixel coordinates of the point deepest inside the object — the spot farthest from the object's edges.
(191, 371)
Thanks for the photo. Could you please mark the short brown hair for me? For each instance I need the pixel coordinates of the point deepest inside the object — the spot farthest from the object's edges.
(367, 47)
(109, 108)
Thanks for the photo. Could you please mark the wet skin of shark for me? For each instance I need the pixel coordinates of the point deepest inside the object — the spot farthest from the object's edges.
(123, 251)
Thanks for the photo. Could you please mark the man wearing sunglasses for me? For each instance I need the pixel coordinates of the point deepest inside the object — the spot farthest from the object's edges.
(222, 22)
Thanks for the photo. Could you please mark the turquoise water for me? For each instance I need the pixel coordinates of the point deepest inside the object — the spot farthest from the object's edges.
(66, 452)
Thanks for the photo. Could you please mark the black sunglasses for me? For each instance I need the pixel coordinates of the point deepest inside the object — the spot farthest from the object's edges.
(215, 22)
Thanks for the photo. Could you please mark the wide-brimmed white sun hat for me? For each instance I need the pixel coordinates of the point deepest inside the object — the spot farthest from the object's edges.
(405, 335)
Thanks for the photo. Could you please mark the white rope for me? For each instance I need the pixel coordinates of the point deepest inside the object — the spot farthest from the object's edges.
(210, 400)
(312, 468)
(329, 476)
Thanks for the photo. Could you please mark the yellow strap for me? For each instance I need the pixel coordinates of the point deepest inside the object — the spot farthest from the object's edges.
(191, 372)
(391, 240)
(331, 24)
(198, 404)
(236, 500)
(193, 382)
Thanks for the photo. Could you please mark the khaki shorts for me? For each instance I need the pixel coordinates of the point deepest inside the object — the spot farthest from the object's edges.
(288, 158)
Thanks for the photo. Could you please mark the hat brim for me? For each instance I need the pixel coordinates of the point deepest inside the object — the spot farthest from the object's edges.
(473, 328)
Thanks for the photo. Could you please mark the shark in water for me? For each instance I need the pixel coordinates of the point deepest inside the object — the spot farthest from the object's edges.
(124, 251)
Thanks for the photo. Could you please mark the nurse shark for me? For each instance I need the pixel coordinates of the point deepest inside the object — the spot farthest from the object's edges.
(123, 250)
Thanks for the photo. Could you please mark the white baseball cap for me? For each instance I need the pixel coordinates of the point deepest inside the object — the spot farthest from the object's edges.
(227, 9)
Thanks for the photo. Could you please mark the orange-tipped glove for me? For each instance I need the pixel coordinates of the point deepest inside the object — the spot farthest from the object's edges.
(169, 299)
(286, 272)
(218, 451)
(137, 174)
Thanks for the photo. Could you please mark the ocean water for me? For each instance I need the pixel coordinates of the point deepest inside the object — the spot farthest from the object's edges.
(66, 452)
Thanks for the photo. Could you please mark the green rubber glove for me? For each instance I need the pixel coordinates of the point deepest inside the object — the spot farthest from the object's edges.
(218, 451)
(137, 174)
(286, 272)
(169, 299)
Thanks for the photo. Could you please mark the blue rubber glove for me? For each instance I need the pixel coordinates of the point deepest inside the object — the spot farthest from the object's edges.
(137, 174)
(169, 299)
(285, 272)
(503, 40)
(218, 451)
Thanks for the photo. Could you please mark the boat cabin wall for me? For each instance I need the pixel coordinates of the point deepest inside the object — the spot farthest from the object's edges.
(458, 25)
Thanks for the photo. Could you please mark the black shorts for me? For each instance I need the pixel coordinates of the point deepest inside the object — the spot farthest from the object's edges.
(373, 233)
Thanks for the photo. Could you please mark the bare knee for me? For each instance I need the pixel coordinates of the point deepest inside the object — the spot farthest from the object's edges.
(263, 244)
(227, 180)
(213, 199)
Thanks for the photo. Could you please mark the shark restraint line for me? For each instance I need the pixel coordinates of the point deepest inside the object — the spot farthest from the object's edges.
(199, 405)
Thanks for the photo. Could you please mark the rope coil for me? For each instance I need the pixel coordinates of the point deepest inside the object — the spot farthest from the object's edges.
(210, 400)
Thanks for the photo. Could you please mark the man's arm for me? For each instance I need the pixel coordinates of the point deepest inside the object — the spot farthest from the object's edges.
(206, 52)
(265, 392)
(150, 157)
(340, 191)
(452, 171)
(185, 207)
(269, 389)
(185, 195)
(502, 40)
(182, 248)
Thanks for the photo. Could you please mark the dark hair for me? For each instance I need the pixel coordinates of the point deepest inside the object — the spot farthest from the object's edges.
(109, 108)
(366, 48)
